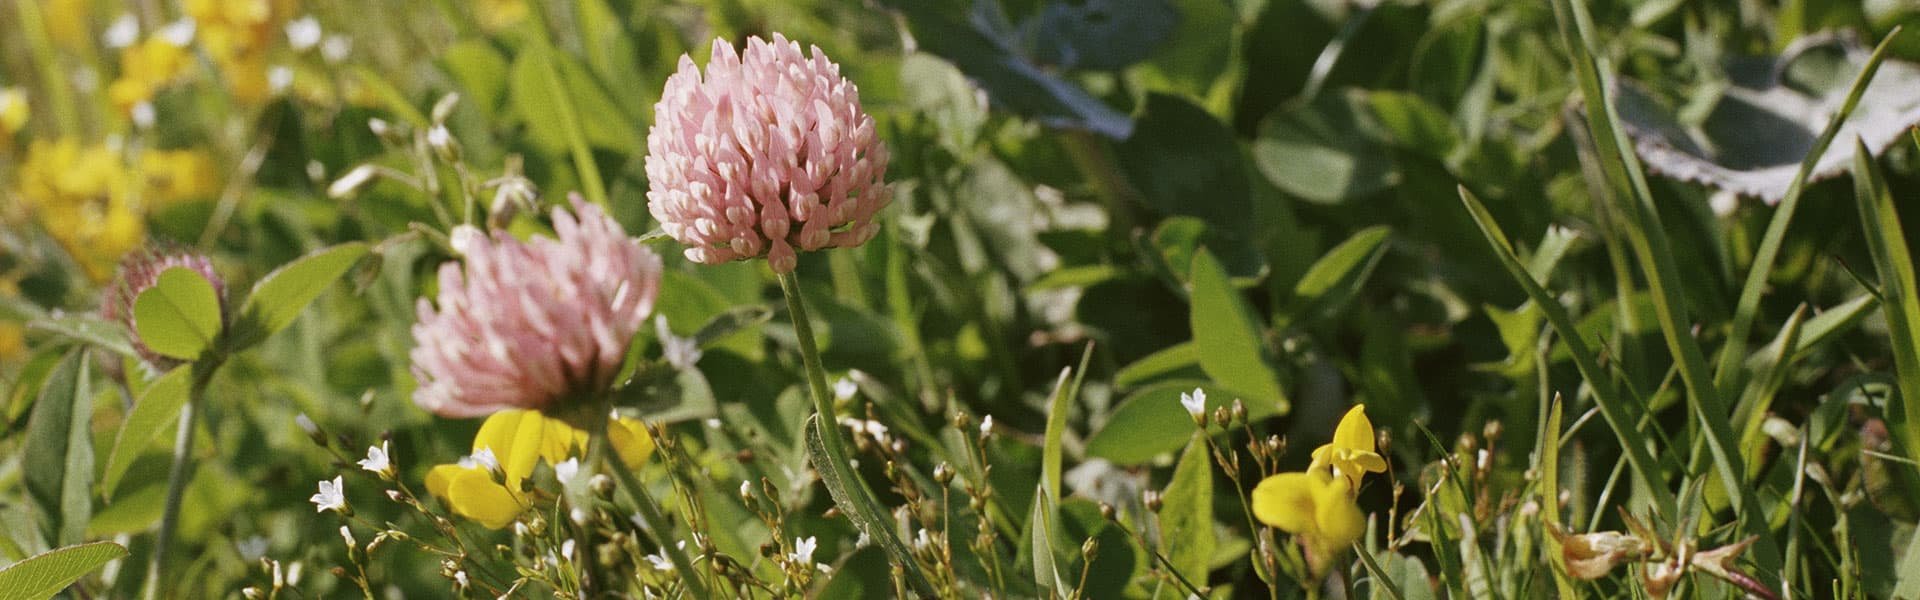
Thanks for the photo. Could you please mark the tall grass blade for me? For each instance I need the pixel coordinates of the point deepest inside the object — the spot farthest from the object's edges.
(1893, 261)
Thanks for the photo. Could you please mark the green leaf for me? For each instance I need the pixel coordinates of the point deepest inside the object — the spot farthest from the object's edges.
(45, 574)
(1186, 518)
(280, 297)
(542, 79)
(1151, 421)
(1334, 280)
(179, 316)
(1318, 153)
(1186, 162)
(850, 495)
(1414, 123)
(1059, 406)
(1228, 339)
(1169, 360)
(1893, 261)
(59, 446)
(157, 407)
(481, 72)
(1909, 584)
(1041, 530)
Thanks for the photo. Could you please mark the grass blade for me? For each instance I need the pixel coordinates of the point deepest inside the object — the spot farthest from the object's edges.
(1893, 260)
(1763, 258)
(1605, 395)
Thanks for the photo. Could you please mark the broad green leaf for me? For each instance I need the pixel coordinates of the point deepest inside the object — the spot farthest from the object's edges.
(1201, 50)
(1228, 339)
(45, 574)
(280, 297)
(59, 446)
(1413, 123)
(1909, 584)
(1151, 421)
(1186, 519)
(1893, 261)
(156, 408)
(1319, 153)
(850, 495)
(179, 316)
(1169, 360)
(1186, 162)
(1334, 280)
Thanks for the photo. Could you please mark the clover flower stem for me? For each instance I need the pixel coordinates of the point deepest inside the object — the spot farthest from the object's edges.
(810, 358)
(177, 474)
(656, 521)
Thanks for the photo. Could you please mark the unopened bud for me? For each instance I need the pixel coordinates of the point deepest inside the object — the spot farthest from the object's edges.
(1239, 411)
(1090, 548)
(443, 109)
(1152, 499)
(1107, 512)
(943, 473)
(350, 184)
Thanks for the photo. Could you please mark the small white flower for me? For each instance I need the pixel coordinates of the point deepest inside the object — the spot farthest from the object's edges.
(986, 425)
(303, 33)
(862, 541)
(566, 549)
(714, 423)
(294, 571)
(279, 78)
(484, 459)
(179, 33)
(251, 549)
(579, 516)
(143, 115)
(306, 424)
(460, 578)
(845, 388)
(332, 496)
(377, 461)
(921, 541)
(124, 31)
(659, 561)
(681, 352)
(347, 534)
(746, 488)
(567, 470)
(1196, 403)
(803, 549)
(439, 137)
(335, 48)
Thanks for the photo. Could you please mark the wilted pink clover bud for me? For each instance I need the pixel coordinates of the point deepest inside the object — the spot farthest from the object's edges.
(139, 271)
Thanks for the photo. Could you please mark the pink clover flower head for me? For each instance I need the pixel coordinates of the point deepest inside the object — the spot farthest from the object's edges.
(139, 271)
(528, 324)
(766, 154)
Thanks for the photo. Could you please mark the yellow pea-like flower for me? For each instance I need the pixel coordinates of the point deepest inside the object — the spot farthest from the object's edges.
(514, 442)
(1351, 455)
(1313, 506)
(13, 112)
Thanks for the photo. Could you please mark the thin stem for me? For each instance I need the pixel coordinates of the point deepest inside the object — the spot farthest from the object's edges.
(177, 477)
(810, 358)
(655, 519)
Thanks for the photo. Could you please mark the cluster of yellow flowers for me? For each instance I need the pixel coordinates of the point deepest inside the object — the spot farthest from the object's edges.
(95, 205)
(236, 35)
(485, 487)
(146, 68)
(1317, 505)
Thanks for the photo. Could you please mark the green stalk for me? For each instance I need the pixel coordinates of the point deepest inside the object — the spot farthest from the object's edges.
(177, 475)
(810, 358)
(656, 524)
(33, 27)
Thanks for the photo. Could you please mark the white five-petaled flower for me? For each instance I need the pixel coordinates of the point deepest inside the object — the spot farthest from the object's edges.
(681, 352)
(332, 496)
(1195, 403)
(844, 389)
(659, 561)
(377, 461)
(803, 550)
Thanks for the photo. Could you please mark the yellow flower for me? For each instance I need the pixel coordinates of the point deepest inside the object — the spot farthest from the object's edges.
(173, 176)
(145, 69)
(13, 112)
(1313, 506)
(13, 342)
(1351, 455)
(515, 441)
(237, 35)
(79, 194)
